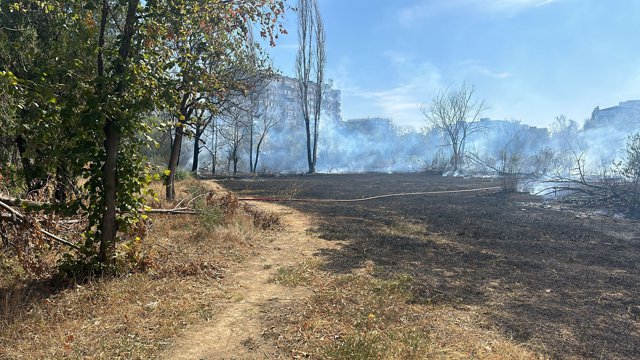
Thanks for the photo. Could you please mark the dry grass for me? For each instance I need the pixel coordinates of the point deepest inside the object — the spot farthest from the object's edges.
(360, 316)
(296, 275)
(178, 282)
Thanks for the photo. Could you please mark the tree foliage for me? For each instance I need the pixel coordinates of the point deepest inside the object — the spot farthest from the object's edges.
(215, 57)
(79, 79)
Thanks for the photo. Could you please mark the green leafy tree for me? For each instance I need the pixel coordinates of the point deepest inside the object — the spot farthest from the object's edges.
(82, 77)
(212, 46)
(45, 49)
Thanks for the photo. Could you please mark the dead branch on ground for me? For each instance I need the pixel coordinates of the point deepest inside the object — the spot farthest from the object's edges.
(18, 217)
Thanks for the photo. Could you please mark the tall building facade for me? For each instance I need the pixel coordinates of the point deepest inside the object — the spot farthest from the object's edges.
(624, 117)
(285, 149)
(282, 96)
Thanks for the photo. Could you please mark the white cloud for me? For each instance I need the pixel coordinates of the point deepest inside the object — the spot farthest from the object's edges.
(476, 67)
(402, 102)
(508, 5)
(397, 57)
(429, 8)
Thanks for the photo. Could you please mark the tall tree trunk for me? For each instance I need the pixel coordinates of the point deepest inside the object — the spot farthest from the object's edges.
(315, 144)
(312, 169)
(251, 147)
(196, 148)
(176, 146)
(108, 223)
(33, 175)
(255, 163)
(214, 153)
(170, 192)
(109, 226)
(235, 160)
(61, 189)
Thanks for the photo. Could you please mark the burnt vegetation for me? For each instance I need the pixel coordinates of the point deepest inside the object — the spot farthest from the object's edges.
(563, 282)
(616, 188)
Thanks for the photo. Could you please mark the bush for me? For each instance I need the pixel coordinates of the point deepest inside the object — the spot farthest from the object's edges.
(629, 169)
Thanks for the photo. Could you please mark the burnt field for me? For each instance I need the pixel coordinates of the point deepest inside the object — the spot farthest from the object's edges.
(565, 282)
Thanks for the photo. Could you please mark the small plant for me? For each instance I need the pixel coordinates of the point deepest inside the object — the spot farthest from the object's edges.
(183, 174)
(211, 217)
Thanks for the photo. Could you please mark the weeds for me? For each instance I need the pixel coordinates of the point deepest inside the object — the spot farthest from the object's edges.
(210, 217)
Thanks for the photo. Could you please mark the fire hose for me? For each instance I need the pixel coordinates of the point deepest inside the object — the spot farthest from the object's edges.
(270, 199)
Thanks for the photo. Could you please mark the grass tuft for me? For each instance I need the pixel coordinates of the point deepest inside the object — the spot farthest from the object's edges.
(297, 275)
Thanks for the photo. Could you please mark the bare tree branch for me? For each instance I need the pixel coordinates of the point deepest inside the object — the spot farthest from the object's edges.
(456, 113)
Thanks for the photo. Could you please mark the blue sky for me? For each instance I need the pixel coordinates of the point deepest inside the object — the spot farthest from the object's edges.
(529, 59)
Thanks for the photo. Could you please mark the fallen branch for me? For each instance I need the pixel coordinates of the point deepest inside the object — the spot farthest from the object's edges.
(16, 216)
(20, 202)
(35, 204)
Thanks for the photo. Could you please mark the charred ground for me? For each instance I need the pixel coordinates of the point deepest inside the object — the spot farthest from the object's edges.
(566, 282)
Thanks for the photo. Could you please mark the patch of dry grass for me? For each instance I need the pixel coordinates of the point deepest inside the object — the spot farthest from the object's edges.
(178, 282)
(296, 275)
(360, 316)
(125, 318)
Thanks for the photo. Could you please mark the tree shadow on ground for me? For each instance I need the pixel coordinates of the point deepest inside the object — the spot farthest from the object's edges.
(17, 299)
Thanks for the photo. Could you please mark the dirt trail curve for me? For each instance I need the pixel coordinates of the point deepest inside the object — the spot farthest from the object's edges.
(236, 332)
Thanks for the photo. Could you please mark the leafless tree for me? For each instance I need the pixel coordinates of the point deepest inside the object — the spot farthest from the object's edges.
(260, 116)
(202, 120)
(234, 130)
(262, 120)
(456, 113)
(211, 142)
(310, 64)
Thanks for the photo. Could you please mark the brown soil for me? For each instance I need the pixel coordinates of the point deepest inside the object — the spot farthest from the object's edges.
(566, 283)
(236, 332)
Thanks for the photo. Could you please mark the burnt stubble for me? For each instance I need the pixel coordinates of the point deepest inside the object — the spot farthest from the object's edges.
(565, 282)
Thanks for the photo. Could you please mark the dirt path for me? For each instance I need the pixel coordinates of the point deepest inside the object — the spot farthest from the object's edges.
(236, 332)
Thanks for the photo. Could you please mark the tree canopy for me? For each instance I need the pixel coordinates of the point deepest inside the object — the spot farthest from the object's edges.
(79, 78)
